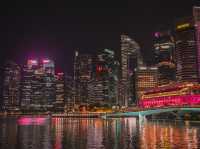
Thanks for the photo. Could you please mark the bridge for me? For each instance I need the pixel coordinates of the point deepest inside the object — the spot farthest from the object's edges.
(143, 113)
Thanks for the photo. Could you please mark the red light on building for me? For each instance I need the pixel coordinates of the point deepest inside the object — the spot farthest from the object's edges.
(99, 68)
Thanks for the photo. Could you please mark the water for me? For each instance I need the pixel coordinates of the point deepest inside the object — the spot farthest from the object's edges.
(123, 133)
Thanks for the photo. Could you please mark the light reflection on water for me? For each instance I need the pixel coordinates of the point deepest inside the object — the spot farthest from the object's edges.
(123, 133)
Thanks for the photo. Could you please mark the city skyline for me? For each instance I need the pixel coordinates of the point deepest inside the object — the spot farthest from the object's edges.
(107, 77)
(100, 74)
(64, 29)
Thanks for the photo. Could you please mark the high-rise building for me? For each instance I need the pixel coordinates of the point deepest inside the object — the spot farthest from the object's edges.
(82, 74)
(98, 91)
(60, 92)
(186, 53)
(26, 88)
(164, 53)
(146, 78)
(11, 86)
(48, 67)
(196, 16)
(38, 84)
(103, 86)
(69, 93)
(130, 51)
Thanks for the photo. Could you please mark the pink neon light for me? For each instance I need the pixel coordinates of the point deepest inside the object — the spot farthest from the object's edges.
(60, 73)
(32, 61)
(46, 61)
(170, 101)
(156, 34)
(31, 121)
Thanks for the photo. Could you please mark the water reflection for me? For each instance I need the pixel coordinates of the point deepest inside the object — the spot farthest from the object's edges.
(165, 135)
(124, 133)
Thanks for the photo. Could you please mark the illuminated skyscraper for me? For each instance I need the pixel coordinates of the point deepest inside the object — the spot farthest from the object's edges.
(129, 50)
(82, 74)
(38, 84)
(69, 93)
(60, 92)
(48, 67)
(186, 52)
(146, 78)
(107, 69)
(103, 87)
(196, 16)
(11, 86)
(164, 52)
(26, 88)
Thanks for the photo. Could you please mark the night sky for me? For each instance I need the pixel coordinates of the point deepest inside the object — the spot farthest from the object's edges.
(55, 28)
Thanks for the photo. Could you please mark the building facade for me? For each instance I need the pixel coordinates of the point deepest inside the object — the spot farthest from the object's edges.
(11, 86)
(186, 51)
(59, 104)
(164, 47)
(103, 86)
(146, 78)
(38, 84)
(129, 50)
(82, 75)
(69, 93)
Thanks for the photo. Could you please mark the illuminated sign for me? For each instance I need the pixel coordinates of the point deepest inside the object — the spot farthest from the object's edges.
(183, 26)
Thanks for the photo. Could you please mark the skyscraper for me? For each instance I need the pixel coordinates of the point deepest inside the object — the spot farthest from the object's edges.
(26, 87)
(129, 50)
(82, 74)
(48, 67)
(103, 86)
(164, 53)
(38, 84)
(196, 16)
(11, 86)
(186, 52)
(69, 92)
(60, 92)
